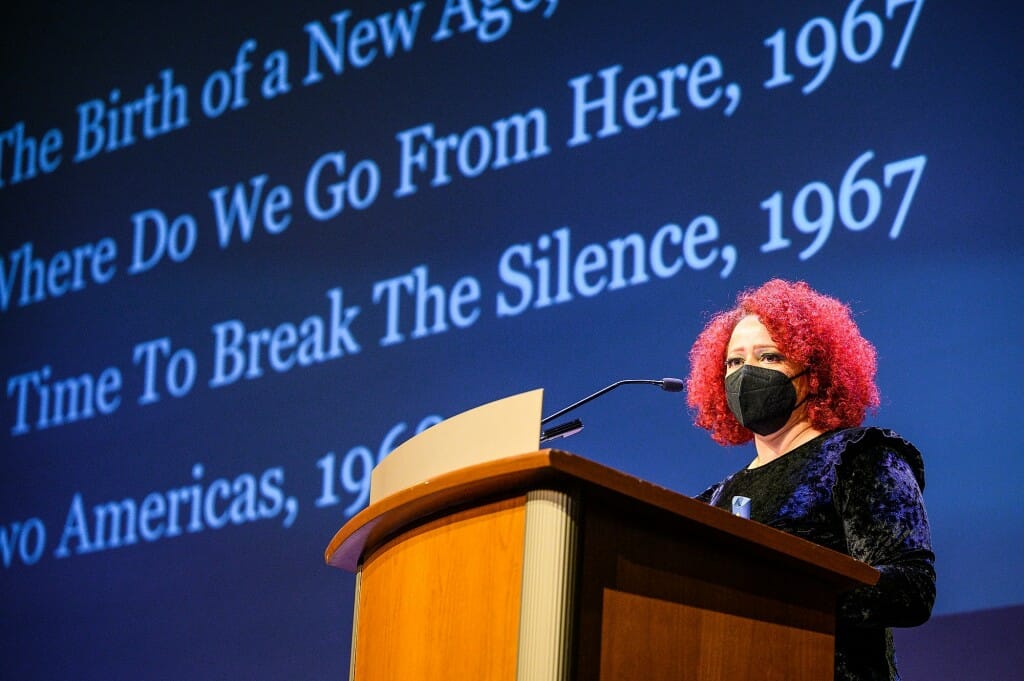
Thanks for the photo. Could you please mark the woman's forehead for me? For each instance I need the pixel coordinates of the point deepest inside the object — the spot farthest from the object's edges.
(749, 330)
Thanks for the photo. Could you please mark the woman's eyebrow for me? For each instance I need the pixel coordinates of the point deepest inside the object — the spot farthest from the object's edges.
(759, 346)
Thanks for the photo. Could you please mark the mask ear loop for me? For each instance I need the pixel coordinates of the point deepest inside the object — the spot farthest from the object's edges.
(808, 395)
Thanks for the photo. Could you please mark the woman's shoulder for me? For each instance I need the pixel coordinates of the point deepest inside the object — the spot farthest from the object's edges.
(869, 436)
(873, 447)
(712, 493)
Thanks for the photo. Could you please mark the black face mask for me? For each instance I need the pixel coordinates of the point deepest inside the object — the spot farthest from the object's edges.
(761, 399)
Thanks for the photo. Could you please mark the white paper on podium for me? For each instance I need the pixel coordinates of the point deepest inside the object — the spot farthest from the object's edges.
(494, 430)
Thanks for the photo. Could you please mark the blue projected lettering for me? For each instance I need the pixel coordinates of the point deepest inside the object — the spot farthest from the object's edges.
(490, 21)
(44, 402)
(852, 188)
(270, 239)
(25, 156)
(551, 273)
(358, 189)
(860, 38)
(360, 45)
(66, 271)
(197, 507)
(112, 125)
(647, 98)
(316, 339)
(507, 141)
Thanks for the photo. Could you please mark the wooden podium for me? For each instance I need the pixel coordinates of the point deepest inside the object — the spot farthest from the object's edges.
(547, 566)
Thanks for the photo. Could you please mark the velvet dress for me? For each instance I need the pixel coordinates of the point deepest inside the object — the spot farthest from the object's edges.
(856, 491)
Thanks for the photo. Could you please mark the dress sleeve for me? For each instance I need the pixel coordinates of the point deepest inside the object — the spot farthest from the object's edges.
(710, 495)
(879, 497)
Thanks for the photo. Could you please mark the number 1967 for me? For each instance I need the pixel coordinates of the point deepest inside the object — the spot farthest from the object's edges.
(819, 219)
(859, 39)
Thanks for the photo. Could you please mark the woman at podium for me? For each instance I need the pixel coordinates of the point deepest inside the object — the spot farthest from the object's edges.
(788, 368)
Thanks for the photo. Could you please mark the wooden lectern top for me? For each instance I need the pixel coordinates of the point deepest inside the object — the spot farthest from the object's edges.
(515, 474)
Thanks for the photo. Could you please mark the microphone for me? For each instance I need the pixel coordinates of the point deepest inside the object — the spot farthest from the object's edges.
(672, 385)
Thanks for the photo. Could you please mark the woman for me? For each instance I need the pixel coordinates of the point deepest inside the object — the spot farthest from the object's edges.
(788, 369)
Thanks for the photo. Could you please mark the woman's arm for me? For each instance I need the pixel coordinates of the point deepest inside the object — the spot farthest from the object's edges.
(882, 508)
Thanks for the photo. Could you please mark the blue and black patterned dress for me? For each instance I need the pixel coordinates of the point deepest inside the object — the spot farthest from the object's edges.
(857, 491)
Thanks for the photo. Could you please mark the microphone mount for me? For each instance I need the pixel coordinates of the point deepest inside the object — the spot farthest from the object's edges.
(673, 385)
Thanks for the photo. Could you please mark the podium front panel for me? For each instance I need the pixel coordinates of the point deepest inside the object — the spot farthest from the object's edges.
(441, 600)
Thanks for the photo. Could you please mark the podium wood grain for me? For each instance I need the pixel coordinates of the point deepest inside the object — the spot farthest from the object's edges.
(443, 598)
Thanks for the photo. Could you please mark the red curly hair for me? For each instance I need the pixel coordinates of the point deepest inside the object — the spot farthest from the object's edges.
(810, 329)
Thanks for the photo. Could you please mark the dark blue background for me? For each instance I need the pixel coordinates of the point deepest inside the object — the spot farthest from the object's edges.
(941, 302)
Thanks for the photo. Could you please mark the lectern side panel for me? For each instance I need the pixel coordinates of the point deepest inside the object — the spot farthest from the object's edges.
(661, 598)
(661, 640)
(441, 601)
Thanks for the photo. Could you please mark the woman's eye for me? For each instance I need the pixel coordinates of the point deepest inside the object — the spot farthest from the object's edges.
(733, 362)
(771, 357)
